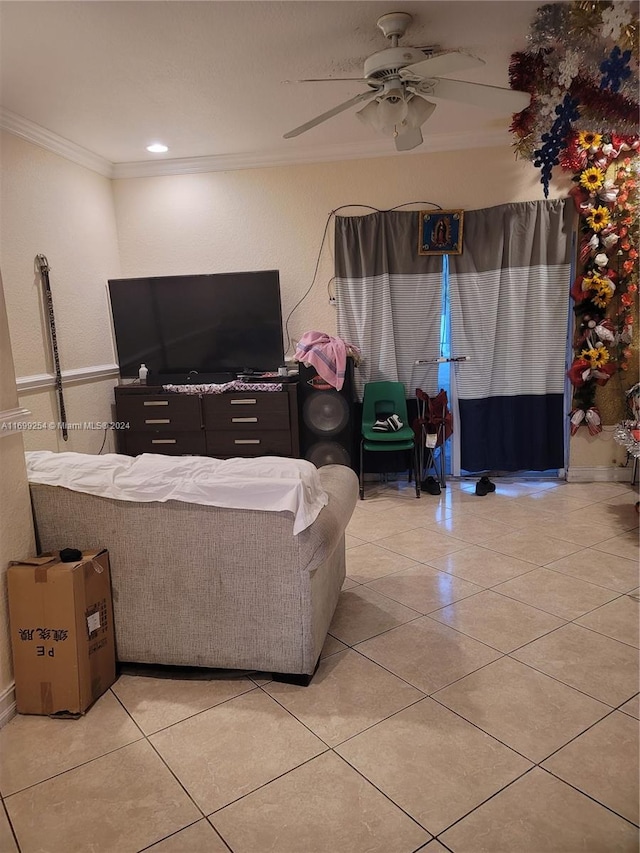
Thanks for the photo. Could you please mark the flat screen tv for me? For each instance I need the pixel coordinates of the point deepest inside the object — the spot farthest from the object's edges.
(198, 328)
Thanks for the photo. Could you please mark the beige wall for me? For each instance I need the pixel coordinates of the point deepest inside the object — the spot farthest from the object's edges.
(16, 529)
(274, 218)
(53, 207)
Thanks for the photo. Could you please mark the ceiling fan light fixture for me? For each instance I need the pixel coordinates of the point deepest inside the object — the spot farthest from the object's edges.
(394, 112)
(418, 111)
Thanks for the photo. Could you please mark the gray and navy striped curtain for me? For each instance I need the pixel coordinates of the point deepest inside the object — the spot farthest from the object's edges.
(509, 292)
(388, 298)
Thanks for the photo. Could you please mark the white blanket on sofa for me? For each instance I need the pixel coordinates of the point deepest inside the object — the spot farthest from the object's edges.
(265, 483)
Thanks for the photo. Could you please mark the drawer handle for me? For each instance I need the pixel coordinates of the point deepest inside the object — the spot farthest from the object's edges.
(155, 403)
(157, 420)
(243, 402)
(164, 441)
(246, 441)
(244, 420)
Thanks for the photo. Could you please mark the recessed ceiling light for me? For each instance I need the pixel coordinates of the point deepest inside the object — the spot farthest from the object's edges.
(157, 148)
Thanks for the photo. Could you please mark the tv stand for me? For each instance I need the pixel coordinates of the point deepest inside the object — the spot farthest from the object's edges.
(234, 423)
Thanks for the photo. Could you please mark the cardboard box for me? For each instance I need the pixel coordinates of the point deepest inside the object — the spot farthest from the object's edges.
(62, 637)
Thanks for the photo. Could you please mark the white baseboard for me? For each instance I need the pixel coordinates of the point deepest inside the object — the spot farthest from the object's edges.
(599, 474)
(7, 704)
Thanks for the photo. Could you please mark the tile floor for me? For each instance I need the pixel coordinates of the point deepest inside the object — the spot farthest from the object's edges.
(478, 692)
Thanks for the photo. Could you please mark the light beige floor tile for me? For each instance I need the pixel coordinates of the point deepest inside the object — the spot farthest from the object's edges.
(540, 813)
(599, 568)
(481, 566)
(472, 528)
(426, 511)
(200, 837)
(352, 541)
(599, 666)
(227, 751)
(533, 548)
(628, 497)
(423, 588)
(615, 517)
(603, 763)
(36, 748)
(513, 513)
(574, 528)
(422, 544)
(371, 526)
(618, 619)
(349, 584)
(433, 847)
(380, 500)
(552, 500)
(155, 703)
(594, 492)
(123, 801)
(427, 654)
(432, 763)
(624, 545)
(331, 646)
(7, 841)
(498, 621)
(362, 613)
(347, 695)
(368, 562)
(559, 594)
(322, 807)
(523, 708)
(632, 707)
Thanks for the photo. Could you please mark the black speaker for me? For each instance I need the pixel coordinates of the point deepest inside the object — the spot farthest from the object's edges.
(328, 429)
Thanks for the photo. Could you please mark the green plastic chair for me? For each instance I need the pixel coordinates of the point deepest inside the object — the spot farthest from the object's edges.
(380, 400)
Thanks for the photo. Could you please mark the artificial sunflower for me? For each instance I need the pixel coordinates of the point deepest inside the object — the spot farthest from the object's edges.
(597, 356)
(592, 178)
(587, 139)
(602, 296)
(598, 218)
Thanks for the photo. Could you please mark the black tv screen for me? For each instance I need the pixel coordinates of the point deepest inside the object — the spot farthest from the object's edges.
(198, 326)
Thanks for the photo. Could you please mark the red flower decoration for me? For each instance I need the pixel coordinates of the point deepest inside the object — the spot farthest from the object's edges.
(576, 370)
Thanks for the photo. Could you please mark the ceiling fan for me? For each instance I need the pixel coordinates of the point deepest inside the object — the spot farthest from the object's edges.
(398, 77)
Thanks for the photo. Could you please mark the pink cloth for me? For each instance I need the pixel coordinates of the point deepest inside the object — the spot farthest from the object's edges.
(328, 355)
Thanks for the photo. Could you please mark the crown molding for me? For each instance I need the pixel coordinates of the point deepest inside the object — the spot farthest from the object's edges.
(47, 139)
(306, 156)
(38, 135)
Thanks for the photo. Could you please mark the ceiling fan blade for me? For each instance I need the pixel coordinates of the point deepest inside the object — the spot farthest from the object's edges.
(330, 113)
(329, 80)
(479, 95)
(444, 63)
(409, 139)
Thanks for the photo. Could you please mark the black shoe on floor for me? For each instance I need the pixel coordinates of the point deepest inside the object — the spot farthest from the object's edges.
(431, 486)
(486, 482)
(484, 486)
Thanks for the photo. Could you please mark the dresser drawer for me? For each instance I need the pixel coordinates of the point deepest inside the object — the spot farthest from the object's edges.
(169, 444)
(168, 412)
(246, 411)
(247, 443)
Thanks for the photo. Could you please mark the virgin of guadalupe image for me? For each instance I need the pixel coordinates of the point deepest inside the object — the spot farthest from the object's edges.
(442, 232)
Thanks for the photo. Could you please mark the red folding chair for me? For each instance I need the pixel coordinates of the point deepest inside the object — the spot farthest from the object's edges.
(433, 427)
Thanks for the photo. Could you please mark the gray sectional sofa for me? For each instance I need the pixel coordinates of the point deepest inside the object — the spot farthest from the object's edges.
(209, 586)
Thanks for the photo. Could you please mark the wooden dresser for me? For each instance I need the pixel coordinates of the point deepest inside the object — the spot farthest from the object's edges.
(235, 423)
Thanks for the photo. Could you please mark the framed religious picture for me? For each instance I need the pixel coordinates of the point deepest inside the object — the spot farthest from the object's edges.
(440, 232)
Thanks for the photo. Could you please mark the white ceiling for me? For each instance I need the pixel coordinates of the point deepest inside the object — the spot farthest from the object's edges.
(207, 77)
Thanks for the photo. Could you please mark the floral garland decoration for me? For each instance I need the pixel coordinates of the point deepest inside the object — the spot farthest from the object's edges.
(582, 73)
